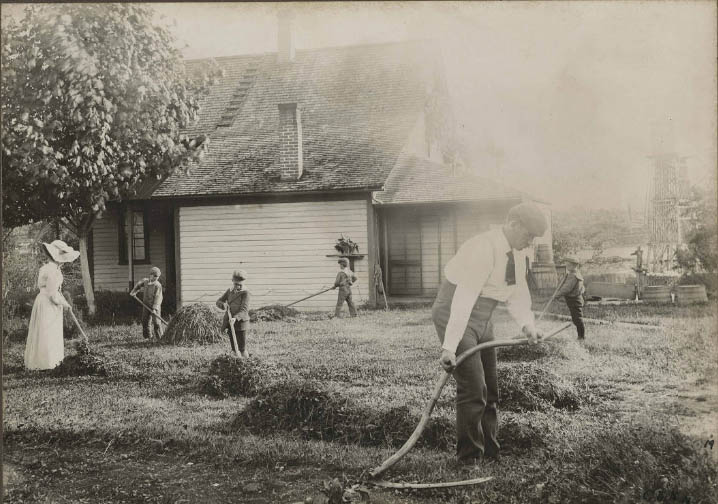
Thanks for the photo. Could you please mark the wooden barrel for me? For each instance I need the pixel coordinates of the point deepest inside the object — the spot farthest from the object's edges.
(546, 278)
(691, 294)
(657, 294)
(544, 255)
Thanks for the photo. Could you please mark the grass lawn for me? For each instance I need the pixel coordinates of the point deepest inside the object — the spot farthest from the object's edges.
(622, 417)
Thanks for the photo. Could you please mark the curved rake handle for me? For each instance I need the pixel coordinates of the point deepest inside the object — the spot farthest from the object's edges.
(150, 309)
(553, 296)
(437, 392)
(311, 296)
(77, 323)
(231, 329)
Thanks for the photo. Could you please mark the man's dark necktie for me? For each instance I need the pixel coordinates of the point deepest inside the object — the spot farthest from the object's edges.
(510, 269)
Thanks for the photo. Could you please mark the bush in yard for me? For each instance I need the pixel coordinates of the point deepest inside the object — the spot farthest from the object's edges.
(112, 308)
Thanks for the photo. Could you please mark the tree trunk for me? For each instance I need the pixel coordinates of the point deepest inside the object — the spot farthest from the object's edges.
(86, 278)
(81, 226)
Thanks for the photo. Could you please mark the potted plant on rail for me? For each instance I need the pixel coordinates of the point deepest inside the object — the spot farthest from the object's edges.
(346, 246)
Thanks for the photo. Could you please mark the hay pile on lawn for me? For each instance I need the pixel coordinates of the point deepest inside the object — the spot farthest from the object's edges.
(315, 411)
(195, 324)
(87, 361)
(517, 431)
(526, 352)
(273, 312)
(232, 376)
(634, 461)
(527, 386)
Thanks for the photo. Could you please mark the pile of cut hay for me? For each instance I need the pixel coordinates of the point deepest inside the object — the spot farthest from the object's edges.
(527, 352)
(315, 411)
(519, 431)
(86, 361)
(529, 387)
(195, 324)
(273, 312)
(231, 376)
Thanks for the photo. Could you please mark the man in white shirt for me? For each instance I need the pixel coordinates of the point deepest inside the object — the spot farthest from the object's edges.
(487, 269)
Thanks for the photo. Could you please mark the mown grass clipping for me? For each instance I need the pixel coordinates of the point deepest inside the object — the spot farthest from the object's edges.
(634, 462)
(195, 324)
(527, 386)
(232, 376)
(316, 411)
(274, 312)
(87, 361)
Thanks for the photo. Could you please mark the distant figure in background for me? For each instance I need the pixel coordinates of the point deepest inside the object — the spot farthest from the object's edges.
(572, 289)
(639, 259)
(152, 297)
(345, 279)
(237, 300)
(45, 347)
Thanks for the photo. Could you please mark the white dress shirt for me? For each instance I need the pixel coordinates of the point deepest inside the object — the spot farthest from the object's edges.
(479, 269)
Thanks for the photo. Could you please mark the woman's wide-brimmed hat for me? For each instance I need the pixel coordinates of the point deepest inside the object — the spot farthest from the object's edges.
(61, 252)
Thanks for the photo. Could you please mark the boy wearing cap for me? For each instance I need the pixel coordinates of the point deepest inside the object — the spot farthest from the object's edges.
(487, 269)
(572, 289)
(345, 279)
(152, 297)
(237, 300)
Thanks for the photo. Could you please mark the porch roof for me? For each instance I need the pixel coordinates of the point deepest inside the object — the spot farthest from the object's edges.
(418, 180)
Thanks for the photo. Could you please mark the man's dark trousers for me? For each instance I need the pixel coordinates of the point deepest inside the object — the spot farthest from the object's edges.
(477, 388)
(575, 308)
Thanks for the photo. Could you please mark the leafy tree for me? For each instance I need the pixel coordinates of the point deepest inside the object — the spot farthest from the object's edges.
(94, 102)
(564, 244)
(701, 235)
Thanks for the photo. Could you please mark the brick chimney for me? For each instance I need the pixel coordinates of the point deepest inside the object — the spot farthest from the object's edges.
(291, 161)
(285, 45)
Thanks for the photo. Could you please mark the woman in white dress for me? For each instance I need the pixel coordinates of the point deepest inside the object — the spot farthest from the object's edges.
(45, 346)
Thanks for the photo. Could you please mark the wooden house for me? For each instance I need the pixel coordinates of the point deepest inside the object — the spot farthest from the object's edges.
(306, 147)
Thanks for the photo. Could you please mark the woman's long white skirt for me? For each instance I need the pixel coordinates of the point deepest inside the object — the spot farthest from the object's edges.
(45, 347)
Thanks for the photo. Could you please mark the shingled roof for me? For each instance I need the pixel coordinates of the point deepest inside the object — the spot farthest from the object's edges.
(358, 105)
(418, 180)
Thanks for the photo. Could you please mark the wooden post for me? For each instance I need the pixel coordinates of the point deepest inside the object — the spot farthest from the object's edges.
(178, 259)
(130, 247)
(372, 258)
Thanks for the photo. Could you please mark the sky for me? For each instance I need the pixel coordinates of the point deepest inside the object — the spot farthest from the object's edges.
(565, 100)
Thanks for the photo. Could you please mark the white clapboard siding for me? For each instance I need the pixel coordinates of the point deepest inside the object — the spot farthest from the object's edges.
(282, 246)
(108, 274)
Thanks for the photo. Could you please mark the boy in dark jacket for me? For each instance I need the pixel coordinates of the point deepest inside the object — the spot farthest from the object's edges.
(572, 289)
(345, 279)
(237, 299)
(152, 297)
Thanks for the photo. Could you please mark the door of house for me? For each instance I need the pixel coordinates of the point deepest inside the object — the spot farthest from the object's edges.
(413, 255)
